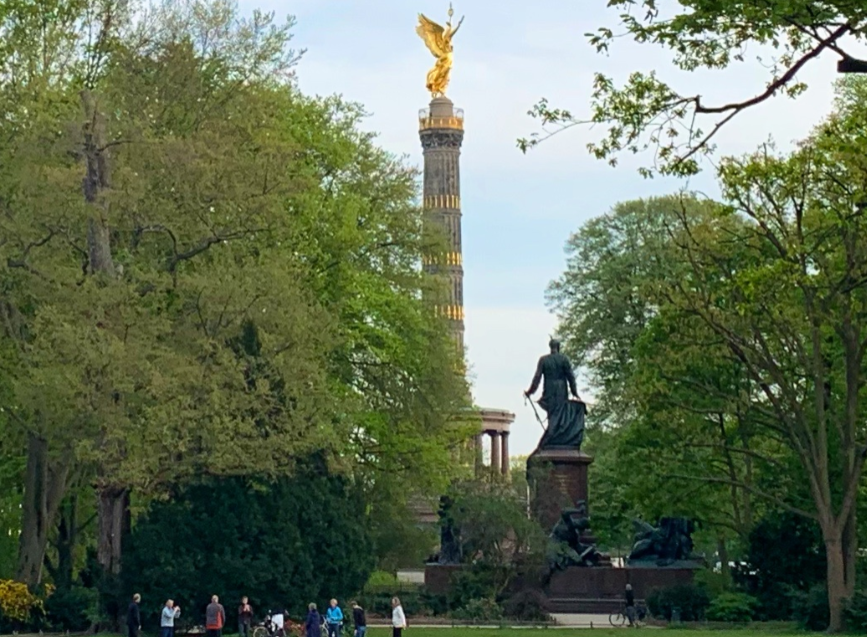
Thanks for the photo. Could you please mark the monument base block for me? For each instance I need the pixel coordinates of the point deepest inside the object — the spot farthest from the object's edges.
(558, 479)
(438, 577)
(601, 590)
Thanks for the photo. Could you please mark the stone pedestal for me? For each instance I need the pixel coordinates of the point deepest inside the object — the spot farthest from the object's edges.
(438, 577)
(558, 479)
(601, 590)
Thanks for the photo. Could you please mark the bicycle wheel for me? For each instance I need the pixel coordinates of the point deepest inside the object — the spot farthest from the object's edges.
(617, 619)
(260, 631)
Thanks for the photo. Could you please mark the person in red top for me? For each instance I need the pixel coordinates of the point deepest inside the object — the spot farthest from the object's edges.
(215, 618)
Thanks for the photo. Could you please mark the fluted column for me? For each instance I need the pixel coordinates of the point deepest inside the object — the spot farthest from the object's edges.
(496, 452)
(478, 450)
(441, 130)
(505, 453)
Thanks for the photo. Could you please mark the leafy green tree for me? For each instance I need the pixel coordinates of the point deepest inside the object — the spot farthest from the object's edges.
(216, 196)
(643, 432)
(785, 556)
(497, 535)
(791, 313)
(647, 113)
(283, 543)
(763, 308)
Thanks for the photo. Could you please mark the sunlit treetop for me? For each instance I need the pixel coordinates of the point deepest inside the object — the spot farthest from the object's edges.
(646, 114)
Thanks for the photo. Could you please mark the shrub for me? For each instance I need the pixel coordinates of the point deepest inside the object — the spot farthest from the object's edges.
(479, 610)
(856, 612)
(527, 606)
(811, 608)
(19, 608)
(691, 600)
(436, 603)
(379, 603)
(470, 584)
(381, 579)
(255, 539)
(72, 609)
(732, 607)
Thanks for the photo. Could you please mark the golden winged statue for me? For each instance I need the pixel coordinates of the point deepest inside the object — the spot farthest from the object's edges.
(439, 41)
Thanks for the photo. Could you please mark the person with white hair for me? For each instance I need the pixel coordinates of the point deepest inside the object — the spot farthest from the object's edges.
(167, 618)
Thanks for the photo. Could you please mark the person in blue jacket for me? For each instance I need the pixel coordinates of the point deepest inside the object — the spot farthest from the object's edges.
(313, 625)
(333, 619)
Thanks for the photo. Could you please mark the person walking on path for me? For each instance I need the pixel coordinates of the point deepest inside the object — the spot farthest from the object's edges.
(215, 617)
(630, 604)
(313, 625)
(167, 618)
(245, 618)
(133, 616)
(398, 618)
(359, 619)
(333, 619)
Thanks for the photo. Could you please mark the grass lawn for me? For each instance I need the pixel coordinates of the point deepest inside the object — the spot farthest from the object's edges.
(466, 631)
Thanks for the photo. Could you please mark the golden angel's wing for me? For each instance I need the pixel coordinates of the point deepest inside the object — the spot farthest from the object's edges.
(432, 34)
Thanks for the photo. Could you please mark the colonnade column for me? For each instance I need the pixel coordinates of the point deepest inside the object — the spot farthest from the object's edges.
(496, 453)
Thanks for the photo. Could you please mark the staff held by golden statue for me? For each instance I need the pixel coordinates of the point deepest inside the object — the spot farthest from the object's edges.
(439, 41)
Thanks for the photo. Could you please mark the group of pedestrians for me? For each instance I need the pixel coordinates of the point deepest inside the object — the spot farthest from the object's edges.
(334, 619)
(215, 619)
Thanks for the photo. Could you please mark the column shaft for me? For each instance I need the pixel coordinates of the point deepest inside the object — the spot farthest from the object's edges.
(496, 453)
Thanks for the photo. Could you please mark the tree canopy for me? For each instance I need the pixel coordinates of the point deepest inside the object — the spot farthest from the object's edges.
(736, 332)
(204, 271)
(646, 113)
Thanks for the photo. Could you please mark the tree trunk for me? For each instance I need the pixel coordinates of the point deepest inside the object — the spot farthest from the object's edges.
(114, 524)
(44, 488)
(34, 525)
(836, 579)
(67, 536)
(723, 553)
(850, 551)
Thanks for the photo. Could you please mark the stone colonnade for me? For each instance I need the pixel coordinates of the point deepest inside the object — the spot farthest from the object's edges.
(495, 428)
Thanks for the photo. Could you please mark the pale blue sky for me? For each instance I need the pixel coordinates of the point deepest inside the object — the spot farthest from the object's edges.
(518, 210)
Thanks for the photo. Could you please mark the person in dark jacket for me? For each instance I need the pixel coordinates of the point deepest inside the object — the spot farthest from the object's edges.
(245, 618)
(359, 619)
(313, 625)
(133, 616)
(630, 604)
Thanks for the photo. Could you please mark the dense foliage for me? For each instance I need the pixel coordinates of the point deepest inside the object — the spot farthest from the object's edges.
(283, 544)
(203, 274)
(727, 342)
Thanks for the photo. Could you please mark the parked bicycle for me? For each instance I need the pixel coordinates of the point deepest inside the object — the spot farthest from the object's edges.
(278, 625)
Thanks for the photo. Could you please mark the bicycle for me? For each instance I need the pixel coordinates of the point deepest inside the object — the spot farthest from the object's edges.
(620, 618)
(268, 627)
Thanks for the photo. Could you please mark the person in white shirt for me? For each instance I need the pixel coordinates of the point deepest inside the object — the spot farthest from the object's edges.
(398, 619)
(167, 619)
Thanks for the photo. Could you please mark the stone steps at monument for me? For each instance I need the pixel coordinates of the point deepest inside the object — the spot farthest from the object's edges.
(574, 605)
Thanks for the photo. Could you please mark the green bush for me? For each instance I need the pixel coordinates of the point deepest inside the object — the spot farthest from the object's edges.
(470, 584)
(379, 602)
(73, 609)
(856, 612)
(527, 606)
(381, 579)
(811, 608)
(732, 607)
(480, 610)
(691, 600)
(284, 544)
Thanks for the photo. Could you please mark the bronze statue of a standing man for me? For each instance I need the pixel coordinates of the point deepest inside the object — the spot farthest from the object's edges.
(565, 417)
